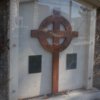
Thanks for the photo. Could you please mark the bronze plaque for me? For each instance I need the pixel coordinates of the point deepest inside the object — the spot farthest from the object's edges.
(71, 62)
(35, 64)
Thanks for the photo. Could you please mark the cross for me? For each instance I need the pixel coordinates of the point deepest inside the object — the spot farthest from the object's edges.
(56, 34)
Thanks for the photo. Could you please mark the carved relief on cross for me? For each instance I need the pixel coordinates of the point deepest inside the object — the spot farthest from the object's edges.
(56, 34)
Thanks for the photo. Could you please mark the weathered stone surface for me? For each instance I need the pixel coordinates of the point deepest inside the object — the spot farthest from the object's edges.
(96, 81)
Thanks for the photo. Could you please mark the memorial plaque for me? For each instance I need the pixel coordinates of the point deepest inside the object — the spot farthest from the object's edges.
(71, 61)
(35, 64)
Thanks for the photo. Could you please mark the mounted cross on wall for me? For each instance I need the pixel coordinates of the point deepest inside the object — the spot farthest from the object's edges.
(56, 34)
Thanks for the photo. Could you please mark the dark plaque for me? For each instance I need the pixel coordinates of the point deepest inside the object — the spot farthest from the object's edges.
(71, 61)
(35, 64)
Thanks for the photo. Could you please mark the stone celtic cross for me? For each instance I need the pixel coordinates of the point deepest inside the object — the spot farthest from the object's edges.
(56, 34)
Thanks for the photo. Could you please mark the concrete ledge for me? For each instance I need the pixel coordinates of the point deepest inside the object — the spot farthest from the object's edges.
(80, 94)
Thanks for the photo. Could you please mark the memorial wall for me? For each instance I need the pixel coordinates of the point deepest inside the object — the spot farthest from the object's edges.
(35, 60)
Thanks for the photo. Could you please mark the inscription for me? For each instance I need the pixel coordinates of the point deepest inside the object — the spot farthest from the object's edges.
(46, 23)
(69, 29)
(49, 47)
(63, 20)
(55, 49)
(62, 47)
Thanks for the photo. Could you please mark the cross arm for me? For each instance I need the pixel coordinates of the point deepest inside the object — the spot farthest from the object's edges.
(65, 34)
(75, 34)
(48, 34)
(37, 33)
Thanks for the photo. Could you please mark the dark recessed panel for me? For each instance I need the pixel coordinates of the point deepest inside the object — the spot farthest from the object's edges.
(71, 61)
(35, 64)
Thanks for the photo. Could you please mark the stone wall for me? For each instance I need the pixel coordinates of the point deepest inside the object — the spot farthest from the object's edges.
(4, 48)
(96, 81)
